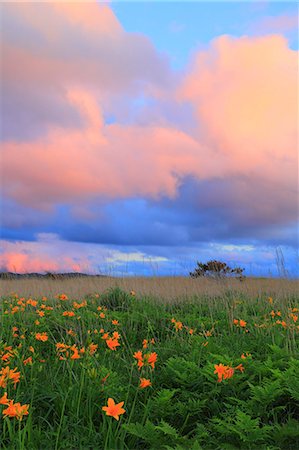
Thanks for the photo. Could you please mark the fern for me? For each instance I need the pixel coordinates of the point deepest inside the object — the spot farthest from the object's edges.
(182, 372)
(156, 436)
(243, 429)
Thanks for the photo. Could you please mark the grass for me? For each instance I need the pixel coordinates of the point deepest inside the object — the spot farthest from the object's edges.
(191, 330)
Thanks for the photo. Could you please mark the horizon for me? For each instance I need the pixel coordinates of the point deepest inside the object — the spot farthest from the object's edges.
(143, 137)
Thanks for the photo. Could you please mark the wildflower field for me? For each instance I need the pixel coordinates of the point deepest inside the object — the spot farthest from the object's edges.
(120, 370)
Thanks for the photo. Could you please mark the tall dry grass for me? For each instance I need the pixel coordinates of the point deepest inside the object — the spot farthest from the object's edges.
(164, 288)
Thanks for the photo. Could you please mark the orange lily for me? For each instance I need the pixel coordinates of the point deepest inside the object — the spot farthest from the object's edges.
(113, 409)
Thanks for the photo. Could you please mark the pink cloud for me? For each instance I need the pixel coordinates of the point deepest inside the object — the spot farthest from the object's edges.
(110, 160)
(50, 48)
(48, 253)
(76, 44)
(244, 95)
(244, 92)
(51, 254)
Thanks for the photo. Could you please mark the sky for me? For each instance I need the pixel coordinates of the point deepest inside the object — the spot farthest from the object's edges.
(138, 138)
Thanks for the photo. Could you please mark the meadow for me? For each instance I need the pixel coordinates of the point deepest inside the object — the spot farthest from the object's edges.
(149, 363)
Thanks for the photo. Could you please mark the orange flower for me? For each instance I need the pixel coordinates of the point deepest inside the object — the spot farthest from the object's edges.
(152, 359)
(144, 383)
(71, 332)
(41, 337)
(178, 325)
(31, 349)
(112, 343)
(220, 370)
(103, 380)
(113, 409)
(16, 410)
(144, 343)
(133, 293)
(4, 400)
(6, 357)
(92, 348)
(140, 364)
(294, 317)
(79, 305)
(116, 335)
(270, 300)
(75, 354)
(115, 322)
(240, 367)
(236, 321)
(9, 374)
(68, 313)
(228, 373)
(191, 331)
(27, 361)
(138, 355)
(278, 313)
(102, 315)
(63, 297)
(40, 313)
(223, 372)
(242, 323)
(32, 302)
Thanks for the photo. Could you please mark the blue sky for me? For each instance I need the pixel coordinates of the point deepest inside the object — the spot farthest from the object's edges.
(180, 28)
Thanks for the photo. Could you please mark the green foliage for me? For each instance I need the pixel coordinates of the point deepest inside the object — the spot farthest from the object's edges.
(185, 407)
(156, 436)
(242, 429)
(116, 299)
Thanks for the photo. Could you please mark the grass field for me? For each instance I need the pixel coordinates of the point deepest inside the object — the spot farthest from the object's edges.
(161, 363)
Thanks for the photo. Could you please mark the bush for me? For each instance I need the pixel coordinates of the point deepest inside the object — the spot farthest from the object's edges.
(216, 269)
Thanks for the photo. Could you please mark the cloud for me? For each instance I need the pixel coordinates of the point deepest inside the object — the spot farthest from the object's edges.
(110, 160)
(277, 24)
(51, 254)
(209, 155)
(49, 48)
(244, 92)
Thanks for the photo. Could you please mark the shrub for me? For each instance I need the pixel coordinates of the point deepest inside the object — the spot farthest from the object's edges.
(216, 269)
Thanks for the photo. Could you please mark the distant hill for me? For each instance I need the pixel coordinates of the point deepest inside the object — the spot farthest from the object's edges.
(55, 276)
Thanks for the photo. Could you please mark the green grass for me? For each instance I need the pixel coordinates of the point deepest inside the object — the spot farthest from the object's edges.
(186, 407)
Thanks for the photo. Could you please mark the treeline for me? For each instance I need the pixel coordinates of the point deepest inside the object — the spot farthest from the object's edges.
(55, 276)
